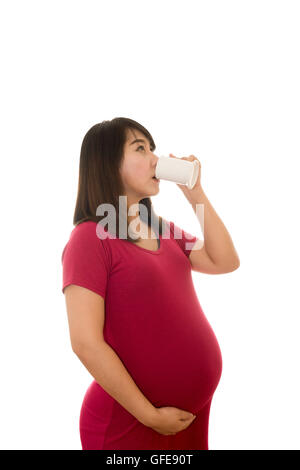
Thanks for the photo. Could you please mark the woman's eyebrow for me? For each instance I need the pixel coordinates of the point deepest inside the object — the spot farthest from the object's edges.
(138, 140)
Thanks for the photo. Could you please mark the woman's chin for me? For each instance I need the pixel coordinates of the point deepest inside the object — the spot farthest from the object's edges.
(155, 191)
(155, 183)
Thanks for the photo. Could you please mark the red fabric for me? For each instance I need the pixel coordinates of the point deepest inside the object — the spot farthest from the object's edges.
(155, 323)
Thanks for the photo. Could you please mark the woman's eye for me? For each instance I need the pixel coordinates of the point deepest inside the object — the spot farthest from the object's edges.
(142, 146)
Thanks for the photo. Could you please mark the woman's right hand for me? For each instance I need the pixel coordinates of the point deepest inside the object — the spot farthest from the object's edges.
(169, 420)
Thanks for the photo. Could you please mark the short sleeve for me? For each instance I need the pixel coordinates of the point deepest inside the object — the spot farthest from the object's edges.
(85, 261)
(184, 239)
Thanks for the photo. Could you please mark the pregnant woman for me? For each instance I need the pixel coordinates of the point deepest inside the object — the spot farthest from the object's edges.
(135, 320)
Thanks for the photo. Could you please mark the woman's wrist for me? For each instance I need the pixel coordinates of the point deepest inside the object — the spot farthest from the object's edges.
(150, 417)
(197, 196)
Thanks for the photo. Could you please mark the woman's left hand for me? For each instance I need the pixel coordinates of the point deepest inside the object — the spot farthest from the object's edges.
(190, 193)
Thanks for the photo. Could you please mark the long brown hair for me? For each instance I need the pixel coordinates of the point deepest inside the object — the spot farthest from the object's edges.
(99, 181)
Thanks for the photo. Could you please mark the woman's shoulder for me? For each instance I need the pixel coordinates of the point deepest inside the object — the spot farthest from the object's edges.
(86, 236)
(89, 229)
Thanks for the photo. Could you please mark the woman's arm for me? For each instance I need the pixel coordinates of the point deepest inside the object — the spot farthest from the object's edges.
(108, 370)
(217, 254)
(86, 317)
(218, 246)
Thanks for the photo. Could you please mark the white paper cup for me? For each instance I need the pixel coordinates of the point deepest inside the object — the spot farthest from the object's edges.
(177, 170)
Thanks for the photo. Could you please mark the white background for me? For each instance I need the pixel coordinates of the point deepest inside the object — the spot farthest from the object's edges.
(217, 79)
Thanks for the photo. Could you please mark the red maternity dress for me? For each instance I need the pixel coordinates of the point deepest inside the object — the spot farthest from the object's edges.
(155, 324)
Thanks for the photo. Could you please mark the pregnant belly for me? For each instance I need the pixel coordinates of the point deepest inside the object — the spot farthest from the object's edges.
(177, 362)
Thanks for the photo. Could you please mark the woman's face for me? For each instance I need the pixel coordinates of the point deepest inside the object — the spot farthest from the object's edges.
(138, 167)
